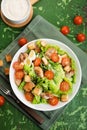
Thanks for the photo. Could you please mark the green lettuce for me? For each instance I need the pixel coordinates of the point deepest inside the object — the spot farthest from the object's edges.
(43, 82)
(21, 85)
(36, 99)
(30, 70)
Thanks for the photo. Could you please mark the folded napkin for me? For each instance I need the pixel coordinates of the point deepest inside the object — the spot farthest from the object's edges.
(40, 28)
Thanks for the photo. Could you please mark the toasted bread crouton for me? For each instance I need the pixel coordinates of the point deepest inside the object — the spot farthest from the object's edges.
(8, 58)
(6, 71)
(64, 98)
(29, 86)
(37, 91)
(31, 46)
(1, 63)
(27, 78)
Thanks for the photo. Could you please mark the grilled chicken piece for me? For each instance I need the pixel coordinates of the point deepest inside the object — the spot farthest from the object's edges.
(23, 56)
(17, 81)
(45, 61)
(39, 71)
(67, 68)
(32, 55)
(50, 51)
(70, 74)
(29, 86)
(37, 91)
(46, 95)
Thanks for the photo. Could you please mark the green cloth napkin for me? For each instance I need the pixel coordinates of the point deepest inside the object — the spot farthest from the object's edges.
(40, 28)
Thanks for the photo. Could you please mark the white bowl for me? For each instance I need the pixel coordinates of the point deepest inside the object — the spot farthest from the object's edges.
(16, 11)
(47, 107)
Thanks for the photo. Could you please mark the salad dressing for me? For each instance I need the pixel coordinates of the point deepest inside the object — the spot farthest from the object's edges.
(15, 9)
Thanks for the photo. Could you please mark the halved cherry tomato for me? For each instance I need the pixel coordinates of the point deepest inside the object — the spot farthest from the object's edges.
(53, 101)
(78, 20)
(64, 86)
(81, 37)
(29, 96)
(22, 41)
(37, 61)
(2, 100)
(17, 65)
(49, 74)
(19, 74)
(54, 57)
(65, 30)
(65, 61)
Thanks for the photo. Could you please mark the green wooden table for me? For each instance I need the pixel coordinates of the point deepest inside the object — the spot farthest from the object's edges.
(59, 13)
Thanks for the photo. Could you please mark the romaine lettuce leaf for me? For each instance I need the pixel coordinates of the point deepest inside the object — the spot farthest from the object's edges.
(30, 70)
(36, 99)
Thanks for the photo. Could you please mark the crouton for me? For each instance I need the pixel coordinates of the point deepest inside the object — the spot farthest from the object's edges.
(8, 58)
(27, 78)
(31, 46)
(29, 86)
(37, 91)
(6, 71)
(64, 98)
(1, 63)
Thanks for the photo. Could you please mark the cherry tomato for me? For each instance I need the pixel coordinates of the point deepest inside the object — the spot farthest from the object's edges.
(53, 101)
(54, 57)
(49, 74)
(64, 86)
(17, 65)
(19, 74)
(2, 100)
(78, 20)
(29, 96)
(65, 30)
(22, 41)
(37, 61)
(81, 37)
(65, 61)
